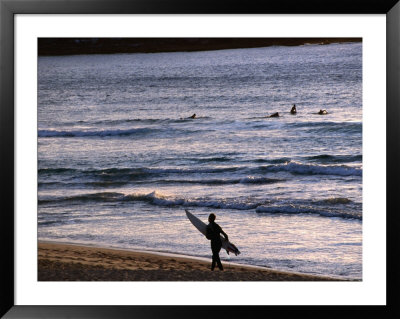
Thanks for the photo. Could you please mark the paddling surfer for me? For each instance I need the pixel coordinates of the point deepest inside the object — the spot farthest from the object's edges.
(190, 117)
(213, 233)
(276, 114)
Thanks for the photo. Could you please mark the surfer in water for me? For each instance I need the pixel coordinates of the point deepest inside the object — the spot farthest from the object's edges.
(213, 233)
(293, 110)
(276, 114)
(190, 117)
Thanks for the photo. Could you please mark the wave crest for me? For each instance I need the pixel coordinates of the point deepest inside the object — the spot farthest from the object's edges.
(100, 133)
(313, 169)
(157, 198)
(292, 209)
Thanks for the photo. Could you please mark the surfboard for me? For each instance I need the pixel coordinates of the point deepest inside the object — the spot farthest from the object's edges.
(201, 227)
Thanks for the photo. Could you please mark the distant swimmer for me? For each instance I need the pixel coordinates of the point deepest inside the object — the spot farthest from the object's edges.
(274, 115)
(193, 116)
(322, 112)
(293, 110)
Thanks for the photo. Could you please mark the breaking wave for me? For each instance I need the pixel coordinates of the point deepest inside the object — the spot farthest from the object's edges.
(99, 133)
(250, 175)
(159, 199)
(137, 132)
(314, 169)
(293, 209)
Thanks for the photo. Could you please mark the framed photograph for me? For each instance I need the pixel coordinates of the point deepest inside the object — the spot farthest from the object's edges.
(176, 159)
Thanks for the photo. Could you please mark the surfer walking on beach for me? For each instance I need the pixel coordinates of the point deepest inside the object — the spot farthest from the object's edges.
(213, 233)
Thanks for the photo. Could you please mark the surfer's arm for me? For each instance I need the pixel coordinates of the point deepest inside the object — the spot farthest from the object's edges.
(225, 235)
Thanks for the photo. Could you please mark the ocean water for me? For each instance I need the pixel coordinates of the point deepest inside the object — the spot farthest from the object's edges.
(119, 160)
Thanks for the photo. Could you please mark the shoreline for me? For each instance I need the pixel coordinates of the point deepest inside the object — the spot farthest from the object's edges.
(78, 46)
(75, 262)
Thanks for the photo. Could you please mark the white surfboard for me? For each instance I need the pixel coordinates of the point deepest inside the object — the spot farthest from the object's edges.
(227, 245)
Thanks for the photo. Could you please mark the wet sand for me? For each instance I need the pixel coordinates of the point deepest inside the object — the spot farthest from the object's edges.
(64, 262)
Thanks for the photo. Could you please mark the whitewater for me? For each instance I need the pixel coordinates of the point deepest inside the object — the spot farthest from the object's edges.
(119, 159)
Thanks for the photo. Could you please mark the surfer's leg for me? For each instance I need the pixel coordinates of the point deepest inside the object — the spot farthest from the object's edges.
(218, 260)
(214, 260)
(216, 247)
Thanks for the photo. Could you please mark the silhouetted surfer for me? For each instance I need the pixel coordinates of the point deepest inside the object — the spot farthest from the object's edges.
(322, 112)
(293, 110)
(274, 115)
(190, 117)
(213, 233)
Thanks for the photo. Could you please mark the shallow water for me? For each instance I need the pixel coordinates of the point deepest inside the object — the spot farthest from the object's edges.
(119, 159)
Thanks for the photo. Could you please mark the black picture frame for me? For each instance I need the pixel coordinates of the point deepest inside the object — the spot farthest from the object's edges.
(8, 10)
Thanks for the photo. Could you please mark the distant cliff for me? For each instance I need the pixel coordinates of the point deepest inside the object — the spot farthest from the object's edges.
(68, 46)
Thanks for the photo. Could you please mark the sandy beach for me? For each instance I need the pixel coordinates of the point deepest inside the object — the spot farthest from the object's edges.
(64, 262)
